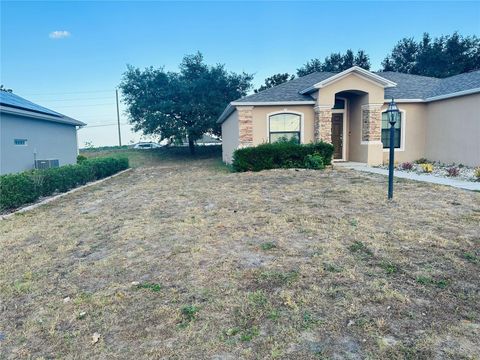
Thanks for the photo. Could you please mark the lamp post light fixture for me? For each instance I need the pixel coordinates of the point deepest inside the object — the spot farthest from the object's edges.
(393, 115)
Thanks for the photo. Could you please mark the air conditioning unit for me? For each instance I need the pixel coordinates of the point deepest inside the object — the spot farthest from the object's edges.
(46, 164)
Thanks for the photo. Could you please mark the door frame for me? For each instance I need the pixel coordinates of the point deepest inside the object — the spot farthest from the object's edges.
(344, 127)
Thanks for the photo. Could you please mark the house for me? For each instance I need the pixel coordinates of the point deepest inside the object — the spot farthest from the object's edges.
(32, 136)
(440, 118)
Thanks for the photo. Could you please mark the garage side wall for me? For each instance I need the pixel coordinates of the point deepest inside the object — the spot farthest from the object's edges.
(49, 140)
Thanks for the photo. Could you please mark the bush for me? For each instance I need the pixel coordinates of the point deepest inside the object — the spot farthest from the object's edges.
(282, 155)
(427, 168)
(453, 171)
(81, 158)
(26, 187)
(406, 166)
(477, 173)
(422, 161)
(17, 189)
(314, 161)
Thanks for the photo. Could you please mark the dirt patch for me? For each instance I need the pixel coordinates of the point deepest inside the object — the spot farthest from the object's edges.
(182, 259)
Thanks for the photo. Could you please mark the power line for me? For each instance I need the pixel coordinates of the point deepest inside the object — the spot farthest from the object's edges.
(64, 106)
(80, 99)
(112, 124)
(70, 92)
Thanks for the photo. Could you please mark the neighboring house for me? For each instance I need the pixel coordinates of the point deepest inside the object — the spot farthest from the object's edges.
(33, 136)
(440, 118)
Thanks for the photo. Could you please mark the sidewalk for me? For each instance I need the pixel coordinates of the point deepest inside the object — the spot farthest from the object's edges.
(461, 184)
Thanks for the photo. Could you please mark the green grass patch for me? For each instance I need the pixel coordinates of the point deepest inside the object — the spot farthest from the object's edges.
(360, 248)
(267, 246)
(426, 280)
(278, 278)
(174, 155)
(188, 314)
(389, 267)
(249, 334)
(332, 268)
(150, 286)
(471, 257)
(257, 298)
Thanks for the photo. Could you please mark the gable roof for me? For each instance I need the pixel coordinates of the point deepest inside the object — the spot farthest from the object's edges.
(368, 75)
(14, 104)
(397, 85)
(286, 92)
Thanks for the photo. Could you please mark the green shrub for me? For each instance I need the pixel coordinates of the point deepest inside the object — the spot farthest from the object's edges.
(314, 161)
(283, 155)
(16, 190)
(26, 187)
(81, 158)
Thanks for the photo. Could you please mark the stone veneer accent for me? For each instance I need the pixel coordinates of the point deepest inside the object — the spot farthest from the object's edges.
(322, 124)
(245, 124)
(372, 122)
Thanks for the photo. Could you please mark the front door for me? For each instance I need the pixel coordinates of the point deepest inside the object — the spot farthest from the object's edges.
(337, 135)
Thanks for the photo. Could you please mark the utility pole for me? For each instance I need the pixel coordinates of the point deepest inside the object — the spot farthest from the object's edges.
(118, 120)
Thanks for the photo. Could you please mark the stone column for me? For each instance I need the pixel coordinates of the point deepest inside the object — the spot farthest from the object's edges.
(372, 123)
(372, 133)
(245, 123)
(322, 125)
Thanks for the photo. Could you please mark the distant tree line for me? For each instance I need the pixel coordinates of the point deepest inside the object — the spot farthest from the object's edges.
(440, 57)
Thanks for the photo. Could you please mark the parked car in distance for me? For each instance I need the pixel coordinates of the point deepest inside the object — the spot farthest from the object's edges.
(147, 145)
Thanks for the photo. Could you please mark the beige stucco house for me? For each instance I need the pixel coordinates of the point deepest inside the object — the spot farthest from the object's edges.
(440, 118)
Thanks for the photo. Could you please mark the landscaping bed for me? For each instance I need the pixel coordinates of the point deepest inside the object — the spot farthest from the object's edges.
(182, 259)
(435, 168)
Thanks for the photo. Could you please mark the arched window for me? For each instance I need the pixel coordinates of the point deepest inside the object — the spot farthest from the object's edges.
(284, 126)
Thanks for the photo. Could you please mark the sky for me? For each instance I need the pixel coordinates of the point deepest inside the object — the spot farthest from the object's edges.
(70, 56)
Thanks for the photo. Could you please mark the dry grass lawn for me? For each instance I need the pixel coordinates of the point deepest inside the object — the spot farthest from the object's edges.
(181, 259)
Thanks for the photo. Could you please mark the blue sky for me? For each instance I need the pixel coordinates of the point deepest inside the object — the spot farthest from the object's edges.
(77, 74)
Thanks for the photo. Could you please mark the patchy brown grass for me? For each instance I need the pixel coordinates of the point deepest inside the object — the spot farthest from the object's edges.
(186, 260)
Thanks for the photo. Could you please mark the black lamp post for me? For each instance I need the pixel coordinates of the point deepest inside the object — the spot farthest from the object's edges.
(393, 116)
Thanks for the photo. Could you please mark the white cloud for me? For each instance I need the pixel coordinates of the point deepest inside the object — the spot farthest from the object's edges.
(59, 34)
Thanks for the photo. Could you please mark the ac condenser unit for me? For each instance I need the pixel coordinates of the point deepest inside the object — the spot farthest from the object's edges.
(46, 164)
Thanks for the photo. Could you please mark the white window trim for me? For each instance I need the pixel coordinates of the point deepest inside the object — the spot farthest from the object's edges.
(302, 125)
(403, 132)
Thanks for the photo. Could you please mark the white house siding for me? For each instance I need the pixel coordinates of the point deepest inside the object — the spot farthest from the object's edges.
(453, 130)
(230, 137)
(50, 140)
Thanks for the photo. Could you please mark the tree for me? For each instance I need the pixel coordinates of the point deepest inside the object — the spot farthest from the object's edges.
(275, 80)
(181, 104)
(309, 67)
(388, 64)
(362, 60)
(336, 62)
(3, 88)
(333, 63)
(441, 57)
(403, 56)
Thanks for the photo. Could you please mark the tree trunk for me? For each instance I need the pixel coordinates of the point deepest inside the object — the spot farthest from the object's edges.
(191, 146)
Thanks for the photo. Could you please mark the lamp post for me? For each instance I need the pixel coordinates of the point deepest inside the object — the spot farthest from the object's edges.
(393, 115)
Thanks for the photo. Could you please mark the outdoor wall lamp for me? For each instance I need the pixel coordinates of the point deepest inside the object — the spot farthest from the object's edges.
(393, 116)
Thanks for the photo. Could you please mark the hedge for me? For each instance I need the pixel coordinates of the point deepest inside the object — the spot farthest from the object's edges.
(26, 187)
(283, 155)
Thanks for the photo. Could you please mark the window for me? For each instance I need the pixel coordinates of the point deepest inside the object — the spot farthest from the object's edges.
(285, 126)
(20, 142)
(386, 131)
